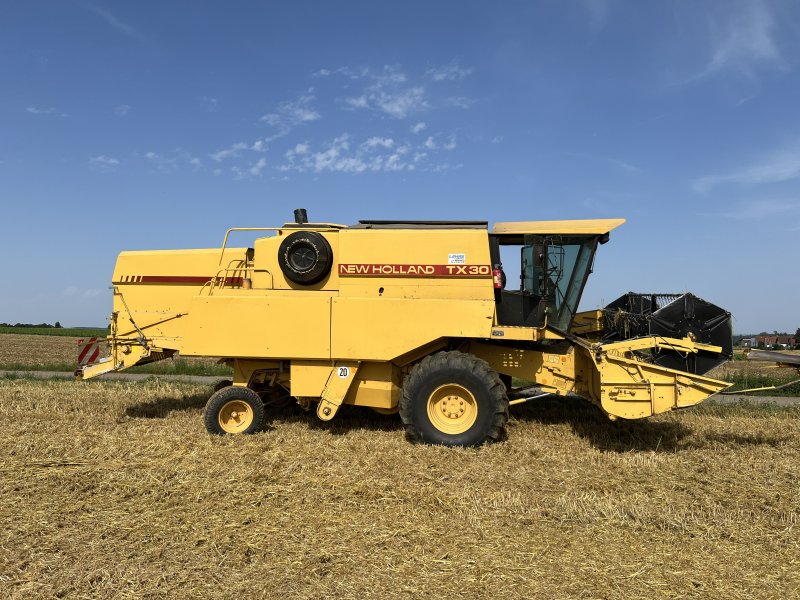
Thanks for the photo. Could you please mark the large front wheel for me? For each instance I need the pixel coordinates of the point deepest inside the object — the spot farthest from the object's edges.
(454, 399)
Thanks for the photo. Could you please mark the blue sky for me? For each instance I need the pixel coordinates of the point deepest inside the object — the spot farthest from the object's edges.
(145, 125)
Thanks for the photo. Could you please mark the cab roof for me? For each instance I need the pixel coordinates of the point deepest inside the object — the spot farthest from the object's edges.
(581, 227)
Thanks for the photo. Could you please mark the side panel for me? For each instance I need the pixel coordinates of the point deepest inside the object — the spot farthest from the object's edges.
(308, 377)
(553, 368)
(376, 384)
(157, 287)
(258, 326)
(399, 251)
(384, 328)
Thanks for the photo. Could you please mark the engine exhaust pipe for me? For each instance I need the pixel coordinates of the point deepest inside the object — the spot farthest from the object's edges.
(300, 216)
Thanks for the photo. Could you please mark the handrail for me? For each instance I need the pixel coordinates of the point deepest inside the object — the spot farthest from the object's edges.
(227, 233)
(224, 273)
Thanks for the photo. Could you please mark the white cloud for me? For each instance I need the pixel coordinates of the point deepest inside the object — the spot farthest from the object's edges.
(298, 150)
(374, 154)
(391, 91)
(357, 102)
(209, 104)
(104, 161)
(74, 291)
(374, 142)
(780, 166)
(760, 209)
(399, 104)
(432, 144)
(172, 161)
(165, 164)
(418, 128)
(388, 93)
(597, 11)
(334, 158)
(450, 72)
(497, 139)
(347, 72)
(620, 164)
(123, 28)
(45, 111)
(458, 102)
(743, 37)
(341, 156)
(122, 110)
(290, 114)
(447, 167)
(235, 150)
(231, 151)
(255, 170)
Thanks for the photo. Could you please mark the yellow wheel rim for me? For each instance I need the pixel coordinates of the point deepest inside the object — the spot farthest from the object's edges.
(235, 416)
(452, 408)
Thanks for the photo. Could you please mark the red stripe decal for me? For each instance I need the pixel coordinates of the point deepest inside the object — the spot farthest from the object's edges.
(390, 270)
(183, 280)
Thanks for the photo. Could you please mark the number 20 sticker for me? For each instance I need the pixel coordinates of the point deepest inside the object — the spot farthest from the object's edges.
(344, 372)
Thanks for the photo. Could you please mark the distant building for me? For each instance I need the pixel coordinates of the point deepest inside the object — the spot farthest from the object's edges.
(748, 342)
(773, 341)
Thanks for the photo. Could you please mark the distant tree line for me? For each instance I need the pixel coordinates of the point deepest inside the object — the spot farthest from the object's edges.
(57, 325)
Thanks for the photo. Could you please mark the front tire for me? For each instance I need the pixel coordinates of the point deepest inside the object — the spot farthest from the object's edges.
(233, 411)
(454, 399)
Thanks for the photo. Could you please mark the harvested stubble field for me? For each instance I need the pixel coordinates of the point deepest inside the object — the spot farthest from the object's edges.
(37, 350)
(60, 353)
(115, 489)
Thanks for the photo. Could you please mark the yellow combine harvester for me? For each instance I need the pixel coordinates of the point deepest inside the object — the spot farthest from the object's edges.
(407, 316)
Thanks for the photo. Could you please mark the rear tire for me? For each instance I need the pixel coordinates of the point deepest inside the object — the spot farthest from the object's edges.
(233, 411)
(454, 399)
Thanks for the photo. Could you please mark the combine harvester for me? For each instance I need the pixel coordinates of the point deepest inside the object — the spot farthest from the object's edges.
(412, 317)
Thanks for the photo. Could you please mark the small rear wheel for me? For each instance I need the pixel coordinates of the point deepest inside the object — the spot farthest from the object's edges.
(454, 399)
(234, 410)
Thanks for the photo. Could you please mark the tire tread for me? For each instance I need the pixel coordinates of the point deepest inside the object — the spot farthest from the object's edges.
(463, 361)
